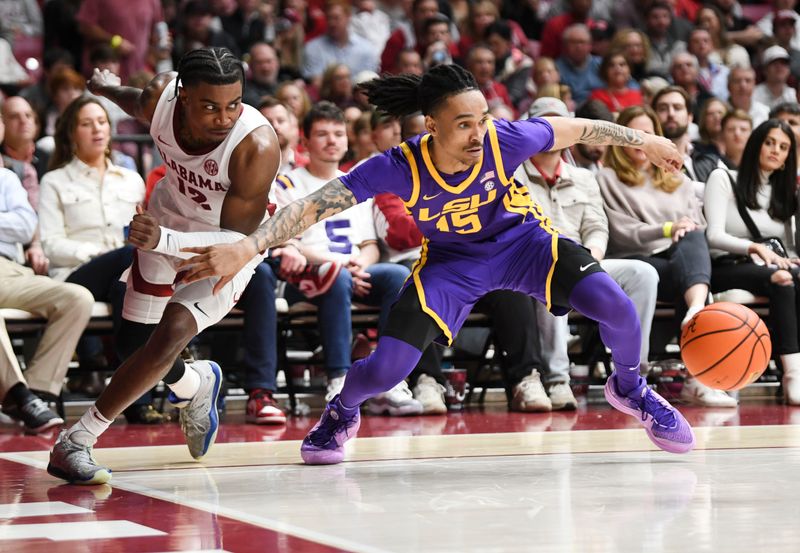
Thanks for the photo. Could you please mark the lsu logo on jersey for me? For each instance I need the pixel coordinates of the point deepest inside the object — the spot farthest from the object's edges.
(459, 215)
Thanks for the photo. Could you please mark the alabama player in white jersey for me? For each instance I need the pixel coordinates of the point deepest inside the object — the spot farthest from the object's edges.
(221, 158)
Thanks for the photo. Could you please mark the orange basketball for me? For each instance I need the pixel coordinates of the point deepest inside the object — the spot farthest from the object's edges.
(726, 346)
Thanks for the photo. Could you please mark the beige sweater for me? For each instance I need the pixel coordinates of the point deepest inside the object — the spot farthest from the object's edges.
(636, 214)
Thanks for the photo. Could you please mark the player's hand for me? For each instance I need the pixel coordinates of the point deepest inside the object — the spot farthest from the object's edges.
(101, 80)
(662, 152)
(36, 258)
(222, 260)
(144, 232)
(292, 261)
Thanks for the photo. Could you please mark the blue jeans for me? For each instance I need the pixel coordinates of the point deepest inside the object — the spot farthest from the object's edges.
(335, 324)
(260, 329)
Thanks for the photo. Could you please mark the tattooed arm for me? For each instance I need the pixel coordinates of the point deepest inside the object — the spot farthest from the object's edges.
(659, 150)
(225, 260)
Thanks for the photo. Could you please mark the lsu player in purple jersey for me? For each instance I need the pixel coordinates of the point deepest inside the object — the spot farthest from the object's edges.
(482, 233)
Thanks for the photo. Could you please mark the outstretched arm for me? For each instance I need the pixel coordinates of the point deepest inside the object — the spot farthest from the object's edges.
(226, 260)
(659, 150)
(135, 102)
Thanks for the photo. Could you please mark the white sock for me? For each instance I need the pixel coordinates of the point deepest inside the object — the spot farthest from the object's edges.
(91, 425)
(186, 387)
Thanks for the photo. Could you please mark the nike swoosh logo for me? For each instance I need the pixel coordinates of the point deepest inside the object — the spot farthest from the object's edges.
(169, 236)
(162, 140)
(431, 197)
(197, 306)
(584, 267)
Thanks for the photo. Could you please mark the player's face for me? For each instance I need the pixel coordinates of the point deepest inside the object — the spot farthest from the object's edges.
(644, 124)
(211, 110)
(459, 127)
(774, 150)
(327, 141)
(92, 132)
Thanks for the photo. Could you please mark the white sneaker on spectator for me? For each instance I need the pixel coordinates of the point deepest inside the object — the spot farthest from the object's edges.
(561, 396)
(695, 392)
(529, 395)
(397, 402)
(431, 395)
(334, 387)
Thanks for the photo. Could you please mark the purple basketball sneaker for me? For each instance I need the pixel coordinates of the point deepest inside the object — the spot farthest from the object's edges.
(664, 425)
(324, 445)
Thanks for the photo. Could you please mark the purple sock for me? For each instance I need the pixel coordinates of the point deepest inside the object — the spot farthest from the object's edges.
(600, 298)
(391, 362)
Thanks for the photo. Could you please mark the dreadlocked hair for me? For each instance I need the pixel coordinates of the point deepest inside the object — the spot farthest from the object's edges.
(402, 95)
(215, 66)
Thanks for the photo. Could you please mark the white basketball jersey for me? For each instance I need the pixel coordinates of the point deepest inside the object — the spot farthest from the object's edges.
(190, 196)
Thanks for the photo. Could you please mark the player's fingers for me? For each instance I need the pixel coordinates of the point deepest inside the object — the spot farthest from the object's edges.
(200, 260)
(221, 284)
(197, 273)
(139, 208)
(197, 249)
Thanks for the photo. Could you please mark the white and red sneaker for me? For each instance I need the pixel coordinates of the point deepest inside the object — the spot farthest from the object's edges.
(263, 409)
(315, 279)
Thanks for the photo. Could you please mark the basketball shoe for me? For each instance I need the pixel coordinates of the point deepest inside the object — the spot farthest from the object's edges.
(74, 463)
(315, 280)
(263, 409)
(324, 445)
(664, 425)
(198, 417)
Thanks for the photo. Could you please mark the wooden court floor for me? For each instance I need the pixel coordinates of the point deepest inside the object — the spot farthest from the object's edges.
(484, 480)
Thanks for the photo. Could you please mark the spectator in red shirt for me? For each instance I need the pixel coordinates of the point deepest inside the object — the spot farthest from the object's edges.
(616, 73)
(553, 29)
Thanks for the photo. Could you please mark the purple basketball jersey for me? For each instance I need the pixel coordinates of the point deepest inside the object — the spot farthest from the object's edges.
(474, 205)
(482, 230)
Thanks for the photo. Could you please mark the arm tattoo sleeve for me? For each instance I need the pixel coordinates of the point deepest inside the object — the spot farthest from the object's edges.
(605, 133)
(296, 217)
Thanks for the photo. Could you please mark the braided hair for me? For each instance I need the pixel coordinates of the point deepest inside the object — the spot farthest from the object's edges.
(215, 66)
(402, 95)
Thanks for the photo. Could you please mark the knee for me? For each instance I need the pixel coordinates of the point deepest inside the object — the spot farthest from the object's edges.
(781, 278)
(75, 300)
(695, 238)
(343, 285)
